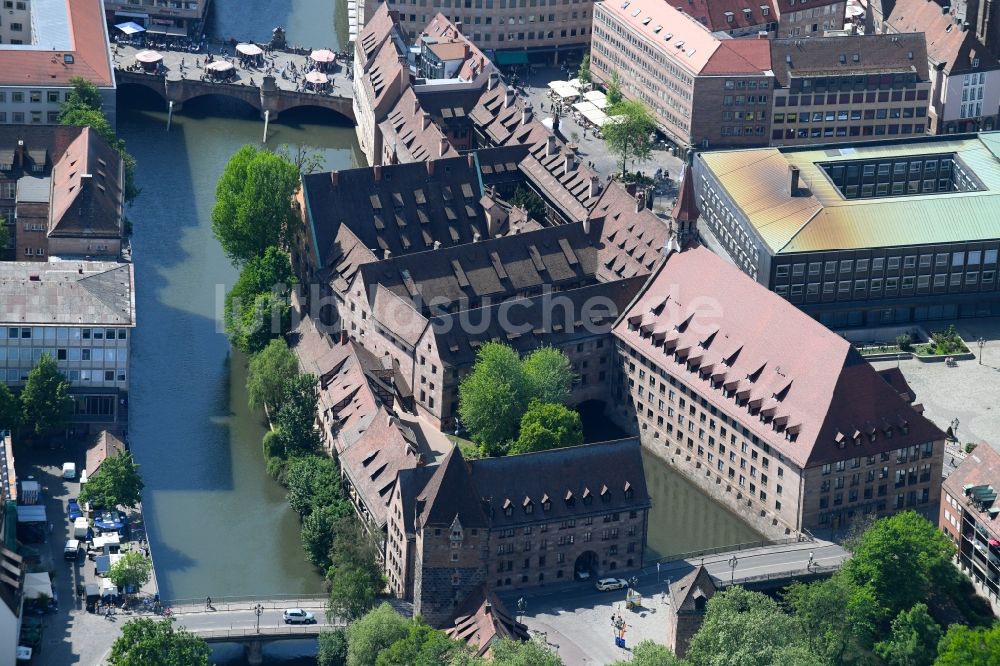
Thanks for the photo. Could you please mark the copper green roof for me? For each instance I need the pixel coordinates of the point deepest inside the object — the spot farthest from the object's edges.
(820, 218)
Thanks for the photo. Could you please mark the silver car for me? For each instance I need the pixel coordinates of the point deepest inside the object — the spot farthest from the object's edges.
(606, 584)
(298, 616)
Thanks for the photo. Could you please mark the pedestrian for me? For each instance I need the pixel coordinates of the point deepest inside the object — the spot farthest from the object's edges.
(208, 603)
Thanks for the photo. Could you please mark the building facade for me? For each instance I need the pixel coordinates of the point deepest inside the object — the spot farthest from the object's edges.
(969, 516)
(161, 17)
(35, 70)
(802, 226)
(849, 88)
(82, 315)
(764, 409)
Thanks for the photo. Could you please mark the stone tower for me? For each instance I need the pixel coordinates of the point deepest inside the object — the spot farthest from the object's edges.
(684, 215)
(688, 600)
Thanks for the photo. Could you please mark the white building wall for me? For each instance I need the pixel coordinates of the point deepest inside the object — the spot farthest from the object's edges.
(15, 22)
(959, 90)
(85, 355)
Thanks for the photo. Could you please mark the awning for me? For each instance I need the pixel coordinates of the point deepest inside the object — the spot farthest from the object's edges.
(166, 30)
(34, 513)
(37, 585)
(512, 58)
(130, 28)
(138, 15)
(249, 49)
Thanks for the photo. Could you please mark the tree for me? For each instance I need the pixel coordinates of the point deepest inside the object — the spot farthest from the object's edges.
(628, 136)
(549, 375)
(524, 197)
(373, 633)
(354, 577)
(10, 407)
(116, 483)
(903, 560)
(4, 234)
(83, 94)
(269, 371)
(332, 648)
(614, 90)
(312, 481)
(914, 639)
(508, 652)
(253, 204)
(584, 72)
(422, 646)
(963, 646)
(256, 308)
(45, 399)
(648, 653)
(145, 642)
(307, 159)
(318, 531)
(741, 628)
(295, 423)
(834, 617)
(548, 426)
(493, 397)
(133, 569)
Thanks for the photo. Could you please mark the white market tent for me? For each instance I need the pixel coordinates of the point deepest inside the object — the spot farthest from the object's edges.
(597, 98)
(575, 82)
(584, 107)
(108, 589)
(563, 90)
(37, 585)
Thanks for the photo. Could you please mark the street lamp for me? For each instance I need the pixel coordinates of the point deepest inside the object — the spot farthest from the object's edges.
(258, 610)
(733, 561)
(982, 343)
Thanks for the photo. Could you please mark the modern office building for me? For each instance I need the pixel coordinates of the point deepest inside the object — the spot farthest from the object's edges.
(179, 18)
(39, 55)
(763, 408)
(840, 89)
(81, 314)
(969, 511)
(867, 234)
(705, 90)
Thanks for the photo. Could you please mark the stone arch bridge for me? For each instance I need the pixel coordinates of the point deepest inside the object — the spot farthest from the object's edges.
(268, 96)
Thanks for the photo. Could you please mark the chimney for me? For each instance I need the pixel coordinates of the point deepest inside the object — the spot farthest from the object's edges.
(595, 186)
(508, 97)
(965, 26)
(568, 162)
(443, 147)
(20, 153)
(550, 145)
(458, 27)
(793, 171)
(945, 9)
(640, 201)
(488, 607)
(437, 245)
(476, 236)
(334, 177)
(491, 82)
(387, 254)
(430, 167)
(526, 114)
(426, 120)
(416, 105)
(586, 226)
(377, 171)
(471, 157)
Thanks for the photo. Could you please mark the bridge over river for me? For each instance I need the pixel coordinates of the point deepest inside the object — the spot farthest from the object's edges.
(182, 78)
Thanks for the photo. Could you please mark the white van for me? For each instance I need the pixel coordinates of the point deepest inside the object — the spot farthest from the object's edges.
(69, 470)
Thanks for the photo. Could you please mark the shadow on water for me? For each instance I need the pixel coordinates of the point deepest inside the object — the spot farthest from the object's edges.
(308, 23)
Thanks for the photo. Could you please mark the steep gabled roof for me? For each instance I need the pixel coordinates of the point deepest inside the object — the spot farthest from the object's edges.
(947, 43)
(686, 205)
(695, 584)
(482, 618)
(450, 494)
(86, 189)
(631, 240)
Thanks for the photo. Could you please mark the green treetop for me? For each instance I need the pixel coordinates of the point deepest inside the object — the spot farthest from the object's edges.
(628, 136)
(548, 426)
(116, 483)
(45, 399)
(145, 642)
(269, 371)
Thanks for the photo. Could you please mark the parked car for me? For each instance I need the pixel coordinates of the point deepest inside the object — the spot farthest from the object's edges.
(298, 616)
(109, 520)
(71, 553)
(73, 508)
(69, 470)
(606, 584)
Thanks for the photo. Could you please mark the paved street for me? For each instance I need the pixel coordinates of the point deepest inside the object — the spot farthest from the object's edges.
(576, 617)
(967, 391)
(340, 85)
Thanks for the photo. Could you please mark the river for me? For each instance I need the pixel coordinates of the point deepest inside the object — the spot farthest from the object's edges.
(218, 525)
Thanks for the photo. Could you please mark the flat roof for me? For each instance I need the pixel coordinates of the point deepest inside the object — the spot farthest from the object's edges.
(67, 293)
(758, 182)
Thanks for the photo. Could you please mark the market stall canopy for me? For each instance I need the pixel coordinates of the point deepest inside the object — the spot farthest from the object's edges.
(584, 107)
(564, 90)
(148, 56)
(597, 98)
(37, 585)
(317, 77)
(130, 28)
(166, 30)
(249, 49)
(34, 513)
(108, 589)
(575, 82)
(219, 66)
(322, 55)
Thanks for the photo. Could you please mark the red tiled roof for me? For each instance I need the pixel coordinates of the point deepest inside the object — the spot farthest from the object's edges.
(686, 205)
(740, 56)
(86, 189)
(90, 53)
(482, 618)
(713, 13)
(631, 241)
(946, 42)
(755, 356)
(980, 468)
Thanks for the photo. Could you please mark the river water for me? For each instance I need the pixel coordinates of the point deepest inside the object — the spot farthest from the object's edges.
(218, 525)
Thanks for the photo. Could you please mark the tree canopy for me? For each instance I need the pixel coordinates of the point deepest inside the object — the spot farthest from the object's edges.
(253, 204)
(312, 481)
(132, 569)
(548, 426)
(963, 646)
(913, 641)
(354, 577)
(116, 483)
(295, 423)
(269, 371)
(319, 530)
(614, 89)
(495, 396)
(371, 634)
(10, 408)
(629, 136)
(584, 72)
(256, 308)
(332, 648)
(45, 400)
(145, 642)
(648, 653)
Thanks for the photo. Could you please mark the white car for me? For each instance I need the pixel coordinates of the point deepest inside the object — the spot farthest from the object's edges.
(606, 584)
(298, 616)
(69, 470)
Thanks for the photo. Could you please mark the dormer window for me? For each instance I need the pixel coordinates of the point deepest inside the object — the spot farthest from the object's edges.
(605, 494)
(509, 511)
(529, 507)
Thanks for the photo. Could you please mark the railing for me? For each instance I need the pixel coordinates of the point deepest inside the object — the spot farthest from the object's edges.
(246, 603)
(764, 543)
(293, 631)
(814, 570)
